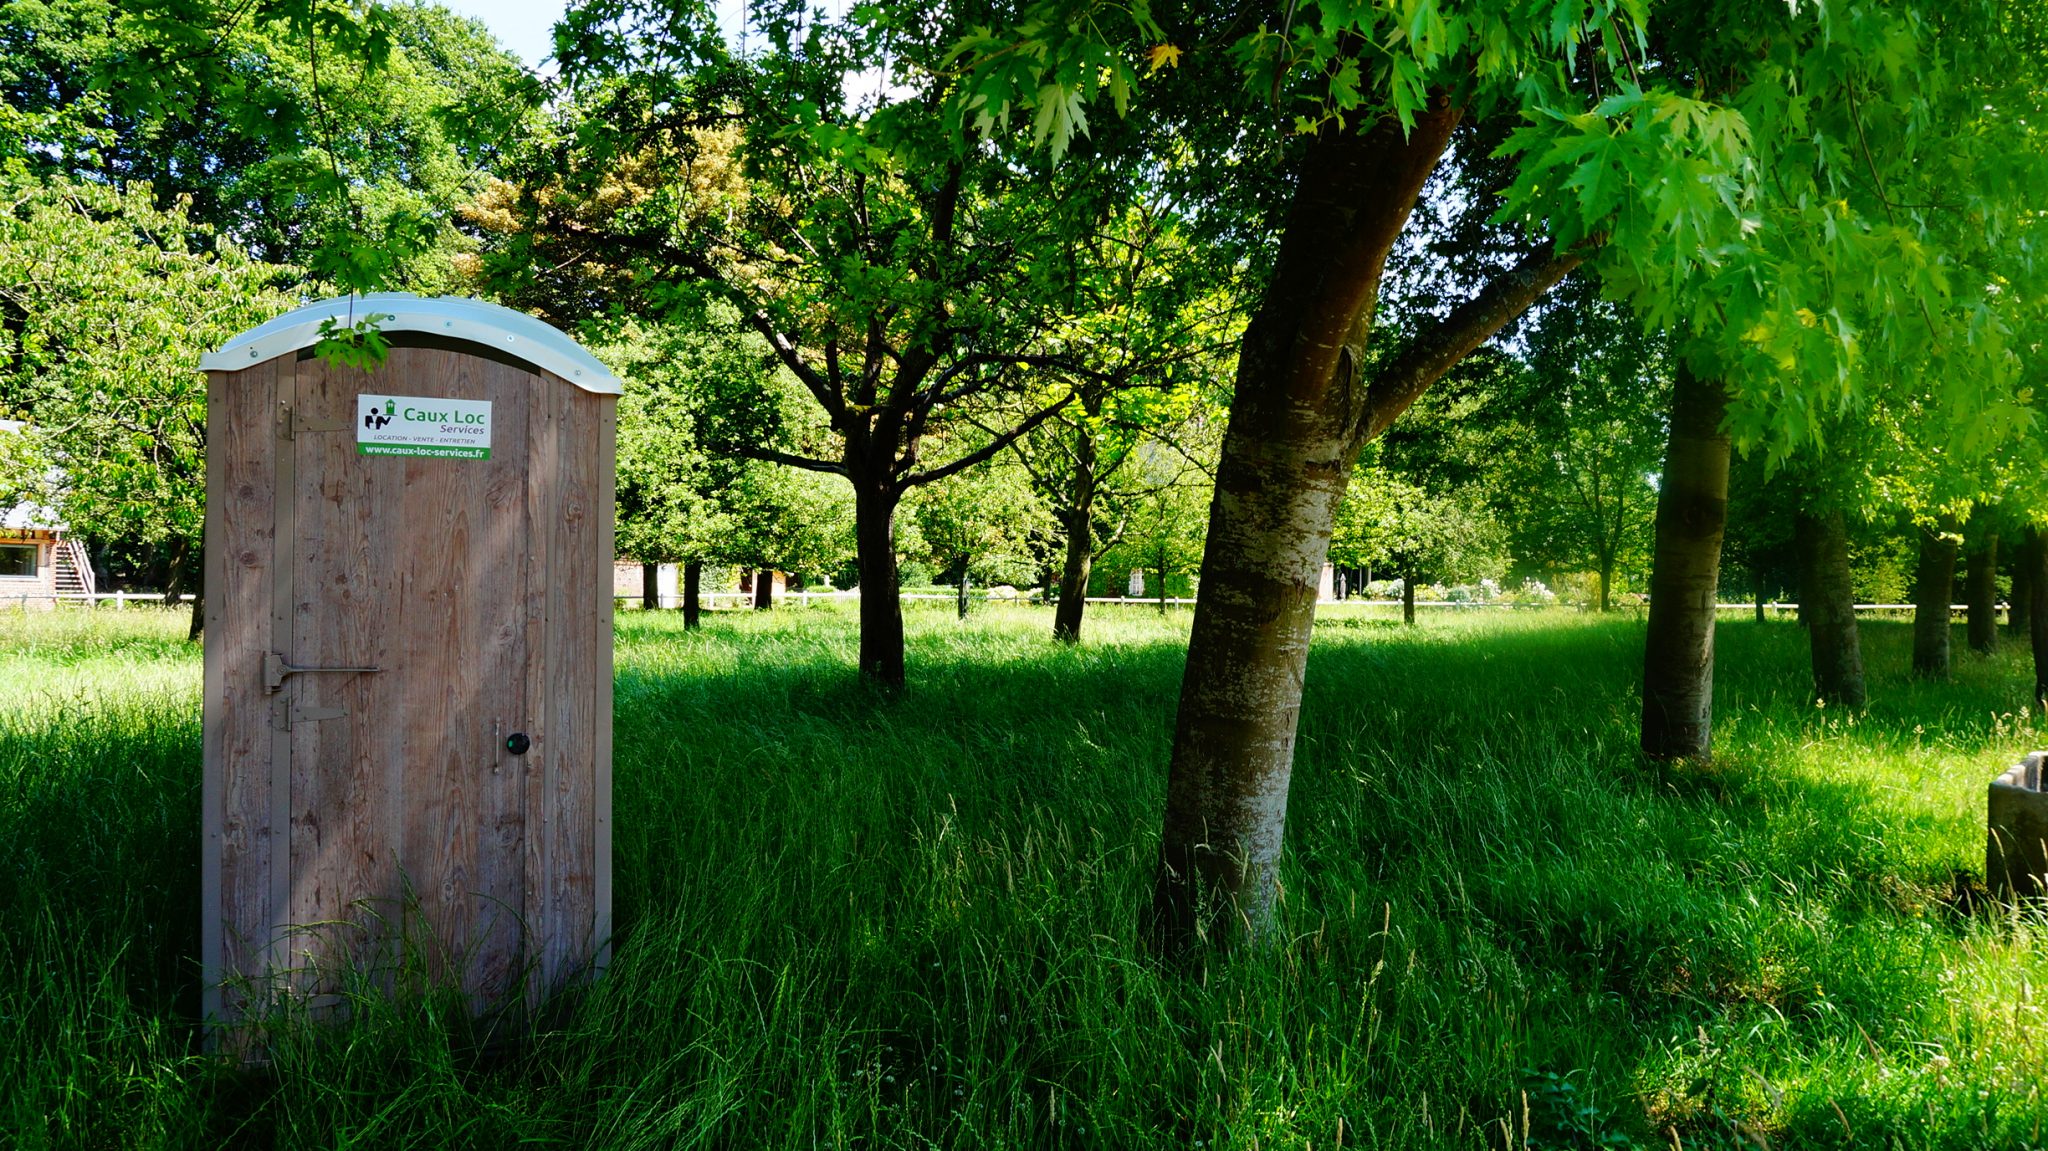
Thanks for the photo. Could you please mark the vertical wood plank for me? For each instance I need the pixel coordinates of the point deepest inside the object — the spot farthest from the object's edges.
(497, 890)
(343, 520)
(543, 493)
(283, 569)
(439, 719)
(212, 787)
(571, 627)
(235, 872)
(604, 494)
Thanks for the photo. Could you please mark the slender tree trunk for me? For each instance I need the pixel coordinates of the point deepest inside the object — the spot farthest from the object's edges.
(2034, 558)
(1685, 575)
(650, 587)
(1066, 616)
(2019, 610)
(693, 586)
(1160, 571)
(881, 604)
(1079, 520)
(1408, 597)
(1934, 589)
(963, 588)
(1302, 411)
(764, 589)
(182, 575)
(1756, 578)
(1828, 604)
(1981, 593)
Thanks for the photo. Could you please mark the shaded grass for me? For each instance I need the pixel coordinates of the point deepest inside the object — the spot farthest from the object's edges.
(852, 921)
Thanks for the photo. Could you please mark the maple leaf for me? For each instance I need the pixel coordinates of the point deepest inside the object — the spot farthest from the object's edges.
(1161, 56)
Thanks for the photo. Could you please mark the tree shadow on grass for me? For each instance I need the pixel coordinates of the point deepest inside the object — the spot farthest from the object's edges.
(907, 907)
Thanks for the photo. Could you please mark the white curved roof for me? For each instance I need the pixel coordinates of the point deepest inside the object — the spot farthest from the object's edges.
(515, 334)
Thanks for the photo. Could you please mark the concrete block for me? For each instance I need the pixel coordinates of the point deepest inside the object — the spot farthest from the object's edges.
(2016, 843)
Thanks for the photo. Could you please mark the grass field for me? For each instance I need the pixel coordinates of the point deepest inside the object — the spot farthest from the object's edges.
(848, 922)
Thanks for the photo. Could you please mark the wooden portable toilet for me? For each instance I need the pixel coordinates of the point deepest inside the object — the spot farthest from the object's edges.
(408, 658)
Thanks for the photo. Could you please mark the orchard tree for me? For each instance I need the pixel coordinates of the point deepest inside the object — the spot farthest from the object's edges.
(1621, 149)
(106, 304)
(1152, 312)
(1890, 162)
(1592, 404)
(1164, 509)
(1387, 521)
(914, 283)
(981, 525)
(679, 501)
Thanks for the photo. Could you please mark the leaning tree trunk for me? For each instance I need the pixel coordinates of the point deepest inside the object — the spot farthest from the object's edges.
(1685, 574)
(650, 586)
(1825, 600)
(1302, 411)
(1079, 520)
(693, 587)
(1981, 594)
(1294, 433)
(881, 604)
(1934, 589)
(1408, 597)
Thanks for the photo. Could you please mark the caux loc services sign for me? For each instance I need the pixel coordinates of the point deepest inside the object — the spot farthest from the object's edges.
(419, 426)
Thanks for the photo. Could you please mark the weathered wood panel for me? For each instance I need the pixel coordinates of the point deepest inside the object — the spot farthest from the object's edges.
(342, 517)
(499, 578)
(235, 870)
(604, 493)
(408, 821)
(543, 497)
(381, 817)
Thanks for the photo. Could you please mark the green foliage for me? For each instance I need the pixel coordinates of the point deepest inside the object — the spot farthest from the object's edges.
(1164, 512)
(1829, 202)
(988, 519)
(1390, 523)
(360, 345)
(110, 303)
(330, 134)
(691, 387)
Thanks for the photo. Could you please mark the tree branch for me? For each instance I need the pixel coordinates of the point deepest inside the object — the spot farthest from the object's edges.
(986, 452)
(770, 455)
(1403, 380)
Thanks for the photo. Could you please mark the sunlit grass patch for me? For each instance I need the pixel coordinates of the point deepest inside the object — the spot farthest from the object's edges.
(850, 919)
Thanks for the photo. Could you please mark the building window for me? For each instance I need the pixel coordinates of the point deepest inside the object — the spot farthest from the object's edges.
(18, 560)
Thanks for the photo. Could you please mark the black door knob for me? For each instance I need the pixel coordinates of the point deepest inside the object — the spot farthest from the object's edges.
(517, 743)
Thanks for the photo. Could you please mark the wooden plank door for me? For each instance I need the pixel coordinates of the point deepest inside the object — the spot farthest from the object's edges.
(407, 810)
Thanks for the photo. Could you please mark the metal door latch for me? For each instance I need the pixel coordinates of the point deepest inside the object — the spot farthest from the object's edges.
(275, 669)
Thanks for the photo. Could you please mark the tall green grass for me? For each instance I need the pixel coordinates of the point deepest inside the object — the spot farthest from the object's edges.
(853, 921)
